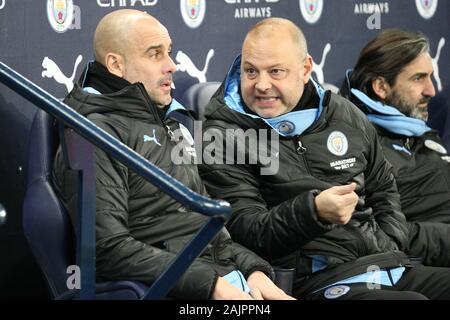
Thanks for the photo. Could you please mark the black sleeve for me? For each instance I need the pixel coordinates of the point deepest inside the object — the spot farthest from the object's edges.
(382, 194)
(271, 232)
(247, 261)
(120, 256)
(430, 241)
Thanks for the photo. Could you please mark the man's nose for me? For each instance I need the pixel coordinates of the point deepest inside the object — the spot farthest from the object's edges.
(171, 66)
(429, 90)
(263, 83)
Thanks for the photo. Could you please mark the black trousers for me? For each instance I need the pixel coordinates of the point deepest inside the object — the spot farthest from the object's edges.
(417, 283)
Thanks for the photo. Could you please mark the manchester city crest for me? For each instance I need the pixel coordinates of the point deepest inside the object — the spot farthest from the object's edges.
(336, 291)
(337, 143)
(433, 145)
(426, 8)
(193, 12)
(311, 10)
(60, 14)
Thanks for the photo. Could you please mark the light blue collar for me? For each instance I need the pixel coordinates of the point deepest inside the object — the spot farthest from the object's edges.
(287, 125)
(174, 105)
(89, 64)
(390, 118)
(91, 90)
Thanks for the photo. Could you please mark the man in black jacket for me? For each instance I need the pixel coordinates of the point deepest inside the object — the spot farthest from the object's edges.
(392, 84)
(139, 229)
(320, 145)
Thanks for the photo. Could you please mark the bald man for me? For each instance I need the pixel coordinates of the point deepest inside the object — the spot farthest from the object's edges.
(309, 187)
(126, 91)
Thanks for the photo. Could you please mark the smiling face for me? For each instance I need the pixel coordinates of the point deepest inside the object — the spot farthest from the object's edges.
(148, 60)
(413, 88)
(274, 71)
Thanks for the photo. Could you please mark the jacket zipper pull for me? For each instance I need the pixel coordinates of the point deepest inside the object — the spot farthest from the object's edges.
(300, 148)
(170, 133)
(407, 144)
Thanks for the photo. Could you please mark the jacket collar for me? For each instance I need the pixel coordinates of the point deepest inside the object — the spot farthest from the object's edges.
(97, 80)
(98, 77)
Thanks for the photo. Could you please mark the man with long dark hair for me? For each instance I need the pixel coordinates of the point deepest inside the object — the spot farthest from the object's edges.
(391, 82)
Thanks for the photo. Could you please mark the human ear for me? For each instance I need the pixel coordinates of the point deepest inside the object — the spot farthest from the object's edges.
(380, 87)
(115, 63)
(307, 68)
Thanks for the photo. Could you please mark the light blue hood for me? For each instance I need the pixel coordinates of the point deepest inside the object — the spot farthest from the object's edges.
(287, 125)
(390, 118)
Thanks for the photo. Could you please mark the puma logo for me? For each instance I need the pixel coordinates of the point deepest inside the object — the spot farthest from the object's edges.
(185, 64)
(153, 139)
(318, 68)
(436, 66)
(51, 70)
(401, 149)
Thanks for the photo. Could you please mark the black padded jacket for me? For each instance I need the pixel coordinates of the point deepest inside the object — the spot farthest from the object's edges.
(139, 228)
(274, 214)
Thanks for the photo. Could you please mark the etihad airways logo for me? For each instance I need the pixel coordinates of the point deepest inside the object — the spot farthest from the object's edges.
(371, 8)
(247, 9)
(375, 10)
(126, 3)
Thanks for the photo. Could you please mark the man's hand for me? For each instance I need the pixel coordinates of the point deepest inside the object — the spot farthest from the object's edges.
(226, 291)
(262, 288)
(337, 204)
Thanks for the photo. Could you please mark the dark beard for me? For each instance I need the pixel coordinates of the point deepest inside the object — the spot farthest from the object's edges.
(409, 110)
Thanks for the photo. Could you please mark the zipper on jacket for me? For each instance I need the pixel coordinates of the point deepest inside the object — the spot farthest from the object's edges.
(355, 231)
(170, 132)
(301, 150)
(155, 113)
(407, 144)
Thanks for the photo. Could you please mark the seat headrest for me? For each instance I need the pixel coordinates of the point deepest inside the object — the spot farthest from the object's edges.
(198, 96)
(42, 145)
